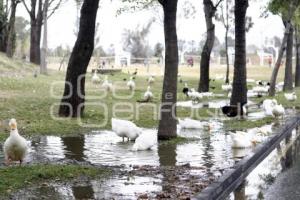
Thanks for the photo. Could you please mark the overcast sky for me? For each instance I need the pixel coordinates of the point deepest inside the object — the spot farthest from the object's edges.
(61, 24)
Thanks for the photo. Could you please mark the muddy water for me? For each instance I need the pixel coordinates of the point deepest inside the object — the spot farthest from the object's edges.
(208, 153)
(106, 148)
(167, 169)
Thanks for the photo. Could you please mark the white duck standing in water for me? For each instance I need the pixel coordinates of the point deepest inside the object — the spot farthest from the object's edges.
(148, 95)
(290, 96)
(15, 147)
(106, 84)
(188, 123)
(125, 128)
(131, 84)
(95, 78)
(242, 139)
(145, 141)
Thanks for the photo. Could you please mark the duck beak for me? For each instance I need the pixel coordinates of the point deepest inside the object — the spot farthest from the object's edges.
(13, 126)
(254, 142)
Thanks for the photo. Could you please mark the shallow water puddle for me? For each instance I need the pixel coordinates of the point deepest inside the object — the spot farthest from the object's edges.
(113, 188)
(168, 168)
(106, 148)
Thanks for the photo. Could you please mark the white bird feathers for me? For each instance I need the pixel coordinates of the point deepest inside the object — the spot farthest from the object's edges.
(106, 84)
(272, 108)
(131, 84)
(145, 141)
(148, 95)
(15, 147)
(290, 96)
(95, 78)
(125, 128)
(188, 123)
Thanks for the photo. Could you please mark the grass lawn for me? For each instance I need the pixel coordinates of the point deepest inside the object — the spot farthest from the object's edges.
(13, 178)
(31, 100)
(34, 103)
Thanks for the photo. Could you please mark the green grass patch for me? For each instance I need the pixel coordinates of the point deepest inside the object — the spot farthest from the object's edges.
(242, 124)
(29, 100)
(13, 178)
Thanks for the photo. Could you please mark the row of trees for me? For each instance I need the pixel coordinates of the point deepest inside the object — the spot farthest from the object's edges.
(39, 12)
(84, 45)
(289, 13)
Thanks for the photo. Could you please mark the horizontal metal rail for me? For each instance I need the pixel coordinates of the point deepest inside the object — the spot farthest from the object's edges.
(231, 180)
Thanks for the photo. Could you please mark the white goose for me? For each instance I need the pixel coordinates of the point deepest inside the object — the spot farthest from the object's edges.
(242, 139)
(131, 84)
(145, 141)
(290, 96)
(95, 78)
(278, 110)
(261, 89)
(125, 128)
(106, 84)
(194, 95)
(226, 87)
(268, 105)
(148, 95)
(151, 80)
(188, 123)
(15, 147)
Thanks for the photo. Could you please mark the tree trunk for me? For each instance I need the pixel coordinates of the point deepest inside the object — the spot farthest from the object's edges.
(288, 77)
(278, 62)
(36, 22)
(297, 73)
(167, 125)
(35, 40)
(226, 43)
(72, 103)
(11, 37)
(43, 68)
(239, 90)
(227, 57)
(209, 11)
(3, 27)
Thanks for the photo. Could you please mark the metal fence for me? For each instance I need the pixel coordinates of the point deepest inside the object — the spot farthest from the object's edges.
(234, 178)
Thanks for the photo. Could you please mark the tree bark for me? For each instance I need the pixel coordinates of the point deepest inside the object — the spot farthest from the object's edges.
(35, 41)
(72, 103)
(288, 77)
(167, 128)
(226, 42)
(209, 11)
(3, 26)
(239, 90)
(278, 62)
(11, 37)
(43, 68)
(297, 72)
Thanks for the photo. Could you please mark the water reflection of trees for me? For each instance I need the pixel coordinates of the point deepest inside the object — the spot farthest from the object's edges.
(74, 148)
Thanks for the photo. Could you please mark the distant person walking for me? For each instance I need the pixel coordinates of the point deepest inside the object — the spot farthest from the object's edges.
(270, 61)
(190, 62)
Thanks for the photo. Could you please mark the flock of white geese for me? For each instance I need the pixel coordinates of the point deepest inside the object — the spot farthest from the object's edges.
(15, 146)
(108, 85)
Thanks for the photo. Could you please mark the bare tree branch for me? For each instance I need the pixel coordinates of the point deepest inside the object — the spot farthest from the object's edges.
(216, 6)
(55, 8)
(27, 9)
